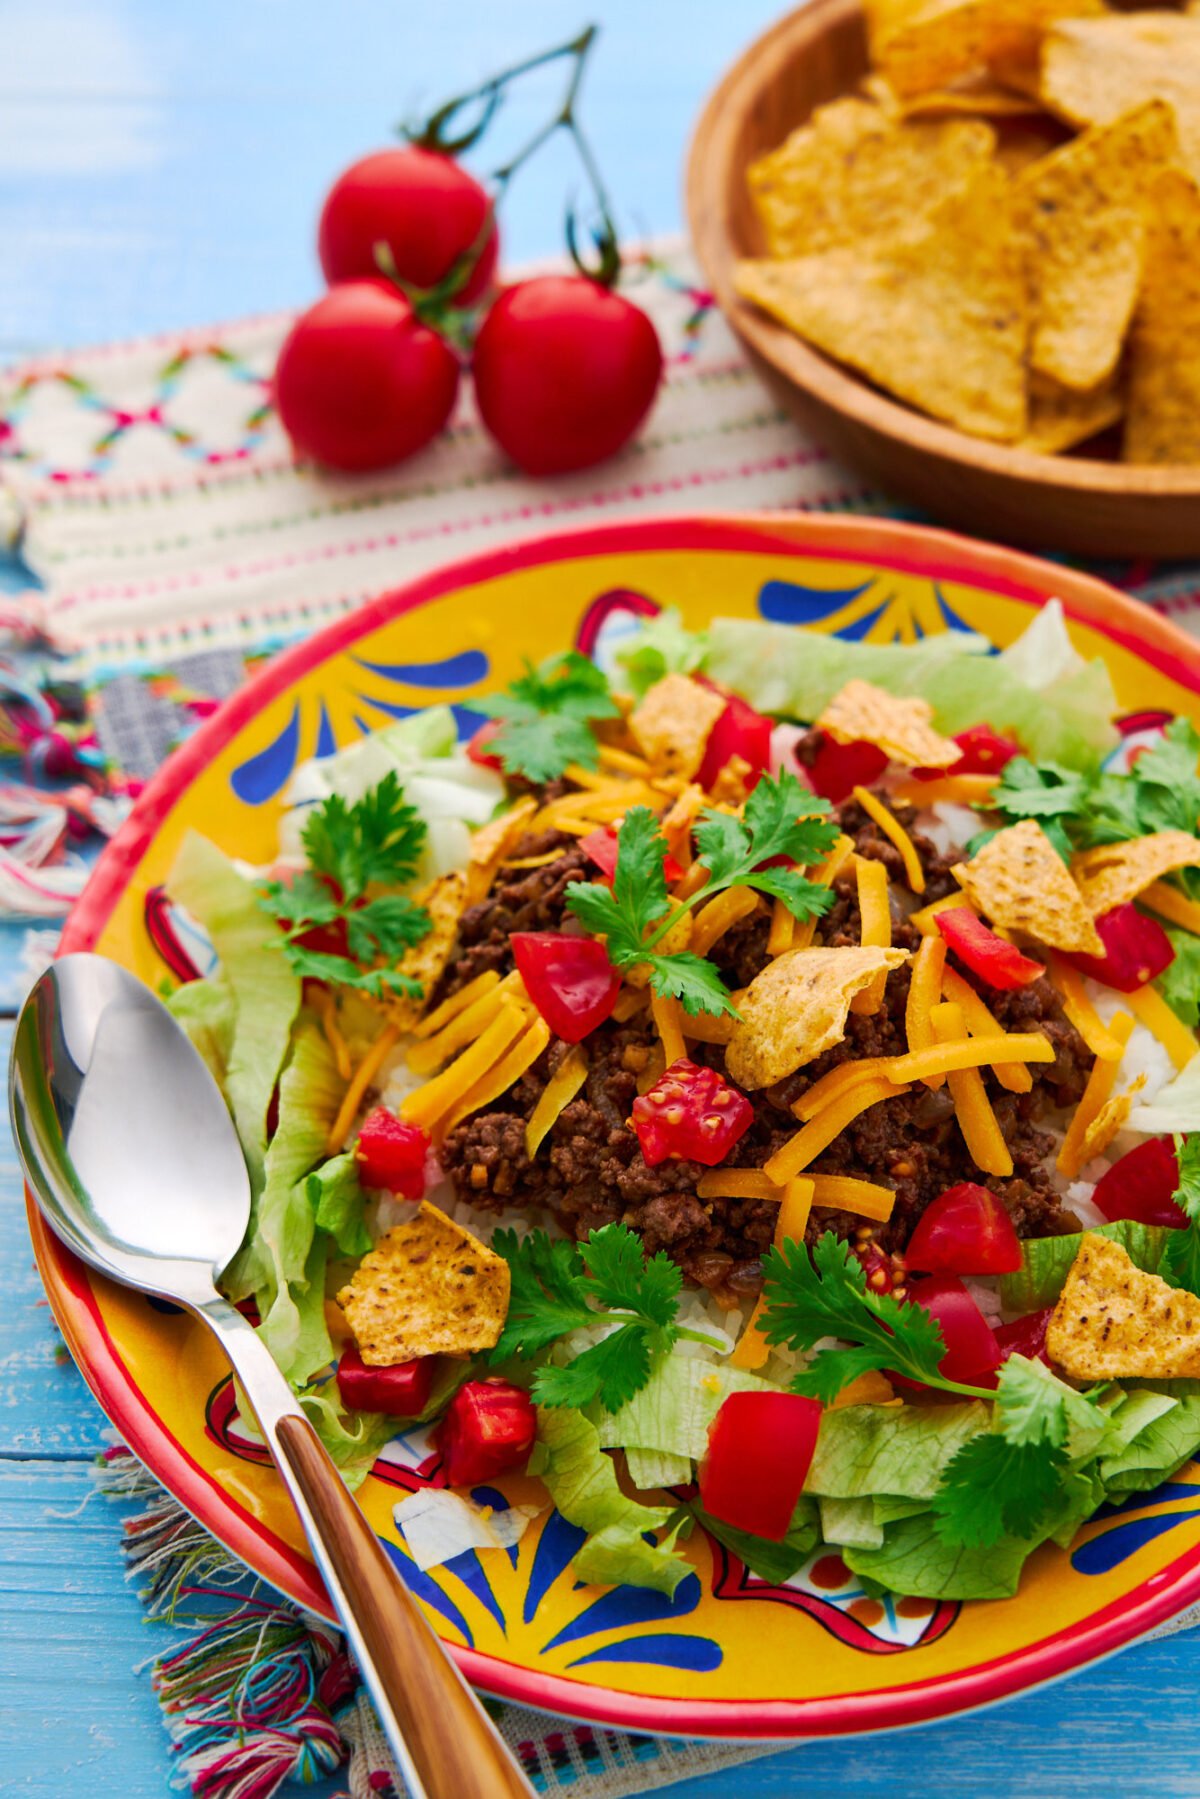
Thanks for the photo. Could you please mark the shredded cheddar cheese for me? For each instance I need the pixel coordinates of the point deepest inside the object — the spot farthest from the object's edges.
(532, 861)
(431, 1102)
(844, 1193)
(630, 1001)
(971, 1052)
(327, 1010)
(713, 920)
(819, 1133)
(1095, 1096)
(924, 993)
(957, 790)
(794, 1208)
(894, 831)
(1152, 1010)
(436, 1020)
(427, 1056)
(752, 1347)
(517, 1061)
(365, 1073)
(839, 1080)
(976, 1120)
(779, 938)
(981, 1022)
(668, 1022)
(824, 875)
(1170, 903)
(736, 1183)
(923, 920)
(1080, 1010)
(624, 760)
(691, 883)
(875, 928)
(555, 1097)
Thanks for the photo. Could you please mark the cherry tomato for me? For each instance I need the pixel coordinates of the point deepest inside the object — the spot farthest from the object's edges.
(984, 752)
(994, 960)
(964, 1231)
(972, 1353)
(601, 847)
(838, 768)
(488, 1429)
(391, 1154)
(423, 205)
(1025, 1336)
(360, 382)
(739, 731)
(760, 1449)
(565, 371)
(569, 979)
(690, 1112)
(477, 748)
(1136, 948)
(400, 1389)
(1141, 1186)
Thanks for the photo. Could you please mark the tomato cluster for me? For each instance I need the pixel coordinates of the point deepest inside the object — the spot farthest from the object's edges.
(564, 368)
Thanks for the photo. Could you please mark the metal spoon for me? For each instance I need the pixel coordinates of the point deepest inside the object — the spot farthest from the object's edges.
(131, 1155)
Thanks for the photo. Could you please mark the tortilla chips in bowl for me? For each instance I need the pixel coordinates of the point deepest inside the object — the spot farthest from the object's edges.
(961, 238)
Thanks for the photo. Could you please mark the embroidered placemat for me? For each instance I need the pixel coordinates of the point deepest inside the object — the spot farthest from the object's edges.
(150, 491)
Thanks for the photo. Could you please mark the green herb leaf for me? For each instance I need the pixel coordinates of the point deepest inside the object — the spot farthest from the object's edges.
(1167, 781)
(545, 716)
(1179, 982)
(379, 838)
(1181, 1254)
(996, 1488)
(1043, 790)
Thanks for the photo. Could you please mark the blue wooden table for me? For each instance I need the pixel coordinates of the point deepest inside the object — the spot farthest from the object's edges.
(161, 166)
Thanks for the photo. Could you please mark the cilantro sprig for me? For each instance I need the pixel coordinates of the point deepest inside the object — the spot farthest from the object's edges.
(559, 1287)
(545, 717)
(1180, 1262)
(376, 841)
(1008, 1479)
(636, 915)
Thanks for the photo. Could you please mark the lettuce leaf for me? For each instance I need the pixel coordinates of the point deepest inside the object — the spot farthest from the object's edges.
(207, 1011)
(353, 1439)
(1179, 983)
(582, 1481)
(776, 1562)
(673, 1411)
(335, 1194)
(1046, 1261)
(1160, 1448)
(846, 1522)
(655, 1468)
(265, 992)
(662, 646)
(1175, 1107)
(914, 1561)
(864, 1450)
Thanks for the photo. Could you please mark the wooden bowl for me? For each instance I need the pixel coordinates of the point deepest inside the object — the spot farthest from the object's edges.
(1069, 502)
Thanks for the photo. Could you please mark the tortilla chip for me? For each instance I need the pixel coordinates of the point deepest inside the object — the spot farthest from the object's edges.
(1060, 418)
(920, 45)
(673, 722)
(445, 899)
(938, 315)
(1117, 872)
(1109, 1121)
(797, 1008)
(976, 96)
(852, 171)
(1164, 352)
(1019, 882)
(861, 713)
(1022, 142)
(1095, 69)
(1088, 224)
(1114, 1322)
(427, 1288)
(492, 843)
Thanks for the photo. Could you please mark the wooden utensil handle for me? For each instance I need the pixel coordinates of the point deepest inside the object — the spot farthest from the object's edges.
(455, 1748)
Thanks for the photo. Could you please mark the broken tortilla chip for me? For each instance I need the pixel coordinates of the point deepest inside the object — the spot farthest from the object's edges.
(427, 1288)
(1095, 69)
(1021, 142)
(1113, 1322)
(862, 713)
(978, 95)
(1020, 883)
(937, 315)
(1060, 418)
(445, 899)
(1088, 223)
(492, 843)
(1117, 872)
(797, 1008)
(921, 45)
(852, 172)
(1109, 1120)
(1163, 422)
(672, 724)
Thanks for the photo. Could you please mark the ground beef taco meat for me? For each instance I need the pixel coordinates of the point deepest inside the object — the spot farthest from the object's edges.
(589, 1171)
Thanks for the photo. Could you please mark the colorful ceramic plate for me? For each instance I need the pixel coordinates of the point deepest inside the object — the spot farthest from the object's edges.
(729, 1656)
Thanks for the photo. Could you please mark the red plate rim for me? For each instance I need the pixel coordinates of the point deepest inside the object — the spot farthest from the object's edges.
(911, 548)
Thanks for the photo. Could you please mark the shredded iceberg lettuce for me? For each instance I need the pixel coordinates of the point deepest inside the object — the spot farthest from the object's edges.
(335, 1194)
(901, 1450)
(1046, 1262)
(673, 1411)
(207, 1011)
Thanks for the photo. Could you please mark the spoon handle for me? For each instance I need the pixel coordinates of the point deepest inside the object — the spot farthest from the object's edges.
(455, 1749)
(445, 1743)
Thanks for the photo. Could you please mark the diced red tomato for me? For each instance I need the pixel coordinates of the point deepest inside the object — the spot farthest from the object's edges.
(1025, 1336)
(966, 1230)
(399, 1390)
(998, 963)
(1141, 1186)
(391, 1154)
(884, 1272)
(760, 1448)
(838, 768)
(1136, 949)
(488, 1429)
(600, 847)
(690, 1112)
(739, 731)
(477, 748)
(569, 979)
(972, 1352)
(984, 752)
